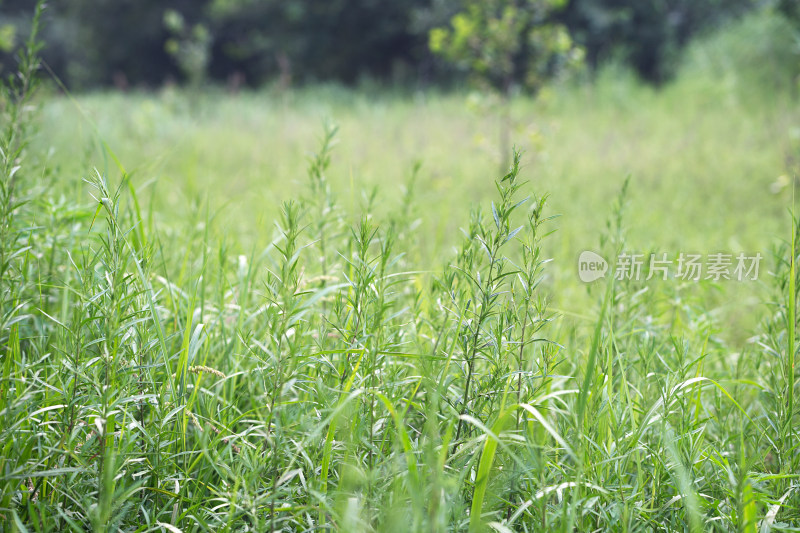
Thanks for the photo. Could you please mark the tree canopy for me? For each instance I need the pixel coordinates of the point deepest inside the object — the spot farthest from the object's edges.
(148, 42)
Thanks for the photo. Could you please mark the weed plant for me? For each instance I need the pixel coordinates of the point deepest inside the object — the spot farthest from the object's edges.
(158, 378)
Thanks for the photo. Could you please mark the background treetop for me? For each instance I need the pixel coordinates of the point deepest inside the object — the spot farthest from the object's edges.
(94, 43)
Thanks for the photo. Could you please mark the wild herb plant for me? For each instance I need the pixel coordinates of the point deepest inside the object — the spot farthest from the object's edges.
(157, 376)
(15, 110)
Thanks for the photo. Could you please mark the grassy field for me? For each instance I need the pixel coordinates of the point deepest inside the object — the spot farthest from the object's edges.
(221, 312)
(705, 166)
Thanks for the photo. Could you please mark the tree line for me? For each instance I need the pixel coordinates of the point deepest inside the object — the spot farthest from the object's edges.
(96, 43)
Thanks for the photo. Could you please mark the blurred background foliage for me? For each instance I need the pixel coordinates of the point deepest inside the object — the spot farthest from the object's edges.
(147, 43)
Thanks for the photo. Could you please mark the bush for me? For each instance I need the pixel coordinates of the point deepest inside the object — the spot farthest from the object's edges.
(647, 35)
(756, 56)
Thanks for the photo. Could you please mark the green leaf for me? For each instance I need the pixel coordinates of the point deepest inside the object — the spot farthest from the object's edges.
(484, 471)
(7, 38)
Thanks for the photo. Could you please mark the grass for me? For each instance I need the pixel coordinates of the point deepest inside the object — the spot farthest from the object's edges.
(702, 178)
(397, 346)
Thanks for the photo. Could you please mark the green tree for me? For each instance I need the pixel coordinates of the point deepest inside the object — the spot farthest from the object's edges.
(190, 46)
(342, 40)
(790, 8)
(647, 35)
(507, 45)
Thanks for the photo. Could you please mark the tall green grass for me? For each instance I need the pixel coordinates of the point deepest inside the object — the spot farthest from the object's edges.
(329, 371)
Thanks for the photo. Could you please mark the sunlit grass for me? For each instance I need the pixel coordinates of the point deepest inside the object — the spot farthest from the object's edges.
(223, 313)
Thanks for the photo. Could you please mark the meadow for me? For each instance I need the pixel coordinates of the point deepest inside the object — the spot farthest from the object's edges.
(337, 309)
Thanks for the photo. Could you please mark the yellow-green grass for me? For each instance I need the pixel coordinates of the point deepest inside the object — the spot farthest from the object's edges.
(709, 168)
